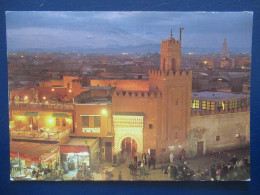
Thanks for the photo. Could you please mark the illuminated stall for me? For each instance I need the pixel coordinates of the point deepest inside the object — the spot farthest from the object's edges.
(26, 155)
(75, 155)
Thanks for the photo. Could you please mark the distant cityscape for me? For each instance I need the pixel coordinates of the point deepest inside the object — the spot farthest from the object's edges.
(30, 67)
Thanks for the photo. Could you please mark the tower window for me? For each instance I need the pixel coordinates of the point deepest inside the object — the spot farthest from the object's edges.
(218, 138)
(150, 126)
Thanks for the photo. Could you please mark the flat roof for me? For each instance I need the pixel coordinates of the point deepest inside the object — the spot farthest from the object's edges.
(95, 101)
(218, 96)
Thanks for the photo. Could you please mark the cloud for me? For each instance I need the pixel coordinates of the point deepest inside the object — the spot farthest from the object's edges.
(201, 29)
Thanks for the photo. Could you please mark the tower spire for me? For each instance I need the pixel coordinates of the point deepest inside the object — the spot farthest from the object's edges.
(171, 32)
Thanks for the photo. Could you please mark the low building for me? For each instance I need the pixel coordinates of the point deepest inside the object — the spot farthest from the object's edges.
(208, 100)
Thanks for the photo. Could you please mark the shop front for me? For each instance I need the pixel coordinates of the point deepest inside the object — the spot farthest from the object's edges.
(75, 160)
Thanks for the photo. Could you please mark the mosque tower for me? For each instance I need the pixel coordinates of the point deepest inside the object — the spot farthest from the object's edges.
(175, 87)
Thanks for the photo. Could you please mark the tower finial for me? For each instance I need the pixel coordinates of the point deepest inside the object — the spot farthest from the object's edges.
(171, 32)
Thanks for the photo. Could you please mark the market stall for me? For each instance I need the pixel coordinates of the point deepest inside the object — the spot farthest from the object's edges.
(26, 157)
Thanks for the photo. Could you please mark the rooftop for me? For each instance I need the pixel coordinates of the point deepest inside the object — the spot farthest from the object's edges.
(97, 100)
(217, 96)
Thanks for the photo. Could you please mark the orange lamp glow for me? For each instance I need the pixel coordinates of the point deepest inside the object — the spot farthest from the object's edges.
(70, 90)
(52, 89)
(44, 98)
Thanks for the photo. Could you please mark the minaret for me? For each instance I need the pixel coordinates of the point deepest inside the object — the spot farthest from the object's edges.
(170, 54)
(224, 49)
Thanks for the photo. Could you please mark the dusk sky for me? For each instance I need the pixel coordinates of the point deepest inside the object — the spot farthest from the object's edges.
(103, 29)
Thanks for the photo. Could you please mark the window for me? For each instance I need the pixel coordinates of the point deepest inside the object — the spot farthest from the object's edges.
(195, 104)
(63, 122)
(85, 121)
(232, 104)
(218, 138)
(238, 103)
(150, 126)
(208, 105)
(212, 105)
(97, 121)
(57, 122)
(203, 105)
(225, 105)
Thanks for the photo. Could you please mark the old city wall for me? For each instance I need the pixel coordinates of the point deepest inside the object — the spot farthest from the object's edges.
(206, 126)
(123, 85)
(144, 102)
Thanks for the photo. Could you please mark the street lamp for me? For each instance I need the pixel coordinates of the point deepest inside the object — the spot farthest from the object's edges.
(104, 112)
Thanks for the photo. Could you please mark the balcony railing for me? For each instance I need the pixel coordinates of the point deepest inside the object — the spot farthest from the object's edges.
(43, 106)
(40, 134)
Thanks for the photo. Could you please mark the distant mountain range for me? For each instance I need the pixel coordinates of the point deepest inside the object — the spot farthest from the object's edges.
(152, 48)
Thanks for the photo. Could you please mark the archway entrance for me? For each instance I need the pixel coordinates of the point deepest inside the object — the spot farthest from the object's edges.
(129, 146)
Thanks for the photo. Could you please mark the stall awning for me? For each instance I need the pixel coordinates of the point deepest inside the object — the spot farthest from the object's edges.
(65, 149)
(33, 152)
(59, 115)
(32, 114)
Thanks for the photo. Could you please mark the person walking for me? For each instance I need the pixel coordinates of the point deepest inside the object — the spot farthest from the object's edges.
(131, 167)
(213, 172)
(149, 161)
(120, 175)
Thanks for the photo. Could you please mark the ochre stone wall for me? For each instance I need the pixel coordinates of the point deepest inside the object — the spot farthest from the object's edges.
(150, 105)
(226, 125)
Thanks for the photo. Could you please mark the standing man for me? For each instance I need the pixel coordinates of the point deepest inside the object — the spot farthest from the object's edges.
(171, 158)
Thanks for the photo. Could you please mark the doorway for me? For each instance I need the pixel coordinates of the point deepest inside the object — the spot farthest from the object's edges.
(200, 149)
(129, 146)
(108, 151)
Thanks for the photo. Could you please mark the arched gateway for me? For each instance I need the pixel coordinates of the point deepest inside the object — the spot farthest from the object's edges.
(128, 128)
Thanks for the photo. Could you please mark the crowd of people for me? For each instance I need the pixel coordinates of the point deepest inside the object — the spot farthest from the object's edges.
(235, 169)
(140, 167)
(39, 173)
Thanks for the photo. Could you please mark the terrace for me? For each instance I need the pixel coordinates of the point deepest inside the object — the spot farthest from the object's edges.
(42, 106)
(42, 134)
